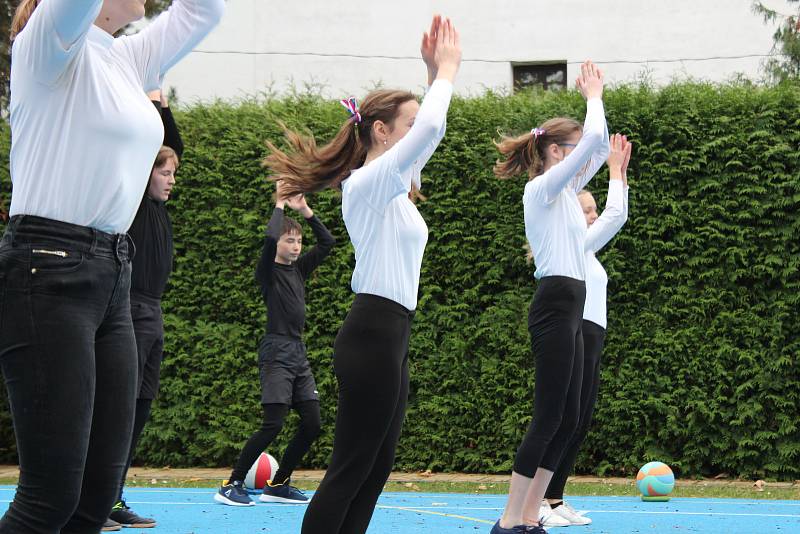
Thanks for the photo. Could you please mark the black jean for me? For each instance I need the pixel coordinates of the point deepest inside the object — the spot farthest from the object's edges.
(554, 323)
(68, 356)
(594, 337)
(370, 358)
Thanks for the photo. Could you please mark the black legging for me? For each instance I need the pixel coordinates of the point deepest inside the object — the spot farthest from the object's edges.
(371, 364)
(271, 425)
(593, 337)
(554, 323)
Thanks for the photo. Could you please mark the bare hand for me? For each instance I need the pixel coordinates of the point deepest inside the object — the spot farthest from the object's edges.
(447, 54)
(590, 81)
(297, 203)
(616, 154)
(628, 150)
(428, 47)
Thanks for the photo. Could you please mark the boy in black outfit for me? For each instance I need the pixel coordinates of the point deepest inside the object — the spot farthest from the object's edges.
(286, 378)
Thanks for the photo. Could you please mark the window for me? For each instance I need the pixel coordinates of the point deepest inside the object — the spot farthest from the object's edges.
(551, 75)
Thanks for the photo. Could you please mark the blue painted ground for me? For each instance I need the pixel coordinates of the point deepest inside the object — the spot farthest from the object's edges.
(193, 511)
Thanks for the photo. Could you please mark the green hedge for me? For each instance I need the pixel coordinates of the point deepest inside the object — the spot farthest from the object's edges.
(700, 368)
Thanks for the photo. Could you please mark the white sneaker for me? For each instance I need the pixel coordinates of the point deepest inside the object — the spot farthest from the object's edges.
(573, 510)
(548, 517)
(569, 515)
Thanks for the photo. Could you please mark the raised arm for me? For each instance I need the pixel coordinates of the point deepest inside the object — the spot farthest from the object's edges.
(273, 234)
(172, 136)
(565, 173)
(170, 37)
(54, 35)
(606, 226)
(442, 61)
(317, 254)
(598, 156)
(325, 241)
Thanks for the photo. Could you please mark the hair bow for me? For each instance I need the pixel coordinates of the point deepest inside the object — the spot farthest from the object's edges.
(351, 105)
(537, 132)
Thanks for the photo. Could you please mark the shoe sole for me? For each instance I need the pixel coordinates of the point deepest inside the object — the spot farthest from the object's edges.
(224, 500)
(140, 525)
(282, 500)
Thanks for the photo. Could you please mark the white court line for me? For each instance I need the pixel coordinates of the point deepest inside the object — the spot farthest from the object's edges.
(417, 510)
(656, 512)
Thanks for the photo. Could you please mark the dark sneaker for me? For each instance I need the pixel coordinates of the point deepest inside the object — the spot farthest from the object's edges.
(110, 526)
(282, 493)
(518, 529)
(233, 494)
(128, 518)
(535, 529)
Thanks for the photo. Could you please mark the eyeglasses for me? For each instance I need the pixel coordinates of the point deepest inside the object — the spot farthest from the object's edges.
(570, 145)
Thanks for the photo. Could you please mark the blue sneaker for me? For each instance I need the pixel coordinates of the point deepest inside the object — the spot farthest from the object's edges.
(282, 493)
(233, 494)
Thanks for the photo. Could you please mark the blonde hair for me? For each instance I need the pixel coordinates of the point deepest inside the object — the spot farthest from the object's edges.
(21, 16)
(526, 153)
(308, 168)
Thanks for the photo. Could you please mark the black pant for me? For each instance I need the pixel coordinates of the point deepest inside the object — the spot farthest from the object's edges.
(68, 356)
(554, 323)
(274, 415)
(371, 364)
(148, 328)
(593, 337)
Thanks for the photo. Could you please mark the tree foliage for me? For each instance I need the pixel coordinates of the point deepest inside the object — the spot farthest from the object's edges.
(785, 60)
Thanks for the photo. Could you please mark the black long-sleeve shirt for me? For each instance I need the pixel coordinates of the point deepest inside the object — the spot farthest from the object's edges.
(283, 286)
(151, 230)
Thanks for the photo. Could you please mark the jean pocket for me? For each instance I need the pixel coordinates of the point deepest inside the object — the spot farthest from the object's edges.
(46, 260)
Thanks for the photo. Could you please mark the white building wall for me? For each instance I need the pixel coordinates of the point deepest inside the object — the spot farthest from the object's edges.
(338, 45)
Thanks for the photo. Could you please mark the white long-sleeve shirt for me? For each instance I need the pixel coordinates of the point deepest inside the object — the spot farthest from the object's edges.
(554, 221)
(84, 134)
(387, 231)
(602, 230)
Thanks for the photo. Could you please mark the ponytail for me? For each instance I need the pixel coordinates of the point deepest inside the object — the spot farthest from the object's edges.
(525, 154)
(306, 168)
(21, 16)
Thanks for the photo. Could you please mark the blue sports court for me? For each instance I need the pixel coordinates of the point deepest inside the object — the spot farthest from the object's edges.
(192, 511)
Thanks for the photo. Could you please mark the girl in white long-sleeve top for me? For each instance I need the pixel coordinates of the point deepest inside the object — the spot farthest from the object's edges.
(600, 230)
(84, 137)
(377, 157)
(560, 158)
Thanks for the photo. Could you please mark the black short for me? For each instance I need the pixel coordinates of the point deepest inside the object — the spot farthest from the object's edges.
(286, 376)
(148, 326)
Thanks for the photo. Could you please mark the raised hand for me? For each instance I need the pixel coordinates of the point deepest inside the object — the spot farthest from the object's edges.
(590, 81)
(295, 202)
(447, 52)
(616, 156)
(428, 47)
(628, 147)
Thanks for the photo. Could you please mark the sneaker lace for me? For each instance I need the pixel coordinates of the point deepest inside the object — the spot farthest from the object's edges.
(120, 505)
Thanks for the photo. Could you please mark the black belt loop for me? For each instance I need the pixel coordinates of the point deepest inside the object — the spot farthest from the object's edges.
(13, 222)
(93, 246)
(117, 246)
